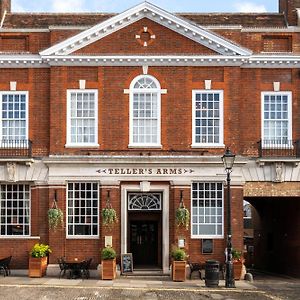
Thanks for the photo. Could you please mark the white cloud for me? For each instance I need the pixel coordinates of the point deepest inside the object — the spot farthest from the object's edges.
(249, 7)
(68, 5)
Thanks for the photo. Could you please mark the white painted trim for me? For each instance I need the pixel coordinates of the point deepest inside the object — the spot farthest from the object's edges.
(125, 189)
(26, 93)
(221, 128)
(19, 237)
(133, 91)
(268, 60)
(69, 144)
(290, 119)
(147, 10)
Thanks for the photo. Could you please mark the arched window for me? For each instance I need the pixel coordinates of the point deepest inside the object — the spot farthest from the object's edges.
(145, 97)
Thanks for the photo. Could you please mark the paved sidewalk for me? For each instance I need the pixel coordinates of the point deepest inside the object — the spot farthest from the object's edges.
(150, 282)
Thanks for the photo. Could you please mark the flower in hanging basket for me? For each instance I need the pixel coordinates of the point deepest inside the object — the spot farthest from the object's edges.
(109, 217)
(55, 218)
(182, 217)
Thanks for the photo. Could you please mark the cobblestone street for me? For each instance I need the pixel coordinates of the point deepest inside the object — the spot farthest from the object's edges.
(48, 288)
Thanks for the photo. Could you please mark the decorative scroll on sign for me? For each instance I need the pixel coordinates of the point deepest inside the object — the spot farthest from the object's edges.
(145, 171)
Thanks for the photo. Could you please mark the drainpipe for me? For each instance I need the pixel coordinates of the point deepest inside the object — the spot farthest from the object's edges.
(3, 18)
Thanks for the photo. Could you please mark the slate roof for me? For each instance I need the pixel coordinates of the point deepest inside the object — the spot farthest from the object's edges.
(44, 20)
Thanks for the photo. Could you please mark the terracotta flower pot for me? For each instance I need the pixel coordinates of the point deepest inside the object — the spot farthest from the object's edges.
(37, 266)
(179, 270)
(109, 269)
(237, 269)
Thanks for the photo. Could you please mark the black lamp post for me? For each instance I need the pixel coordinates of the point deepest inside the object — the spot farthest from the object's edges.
(228, 160)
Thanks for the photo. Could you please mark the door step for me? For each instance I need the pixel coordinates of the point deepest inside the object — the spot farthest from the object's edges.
(146, 273)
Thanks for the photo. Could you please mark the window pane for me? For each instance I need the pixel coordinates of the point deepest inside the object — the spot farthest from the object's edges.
(15, 209)
(276, 122)
(83, 117)
(80, 197)
(207, 209)
(207, 118)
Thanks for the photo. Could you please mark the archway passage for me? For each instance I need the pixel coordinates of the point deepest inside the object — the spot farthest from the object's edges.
(276, 222)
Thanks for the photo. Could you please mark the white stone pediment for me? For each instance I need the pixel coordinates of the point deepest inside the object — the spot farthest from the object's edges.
(182, 26)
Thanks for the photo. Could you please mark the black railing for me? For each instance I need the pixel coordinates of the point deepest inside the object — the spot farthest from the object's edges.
(15, 148)
(279, 148)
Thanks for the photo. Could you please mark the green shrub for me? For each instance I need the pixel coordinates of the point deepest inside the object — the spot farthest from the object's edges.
(236, 254)
(179, 254)
(40, 250)
(108, 253)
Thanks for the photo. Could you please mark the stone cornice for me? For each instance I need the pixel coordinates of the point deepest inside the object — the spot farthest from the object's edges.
(253, 61)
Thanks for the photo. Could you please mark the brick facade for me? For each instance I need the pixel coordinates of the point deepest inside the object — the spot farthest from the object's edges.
(181, 57)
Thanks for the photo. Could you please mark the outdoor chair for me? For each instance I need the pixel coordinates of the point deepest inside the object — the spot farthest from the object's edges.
(195, 267)
(86, 268)
(4, 265)
(63, 266)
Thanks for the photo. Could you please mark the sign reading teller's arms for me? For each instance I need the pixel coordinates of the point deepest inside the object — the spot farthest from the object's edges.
(126, 263)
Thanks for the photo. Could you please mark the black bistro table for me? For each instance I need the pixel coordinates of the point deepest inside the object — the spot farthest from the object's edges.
(75, 267)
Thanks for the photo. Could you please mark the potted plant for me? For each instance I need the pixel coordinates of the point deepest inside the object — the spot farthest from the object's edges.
(108, 261)
(179, 264)
(38, 260)
(238, 262)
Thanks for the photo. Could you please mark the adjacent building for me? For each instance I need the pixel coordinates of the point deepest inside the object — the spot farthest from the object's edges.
(135, 110)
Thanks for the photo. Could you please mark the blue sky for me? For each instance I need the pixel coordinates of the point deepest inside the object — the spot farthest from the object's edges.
(121, 5)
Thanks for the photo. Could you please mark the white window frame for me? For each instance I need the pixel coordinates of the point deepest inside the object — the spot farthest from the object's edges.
(221, 120)
(74, 236)
(200, 236)
(26, 93)
(70, 144)
(11, 236)
(290, 120)
(133, 91)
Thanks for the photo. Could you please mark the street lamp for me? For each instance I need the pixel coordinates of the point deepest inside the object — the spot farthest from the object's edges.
(228, 161)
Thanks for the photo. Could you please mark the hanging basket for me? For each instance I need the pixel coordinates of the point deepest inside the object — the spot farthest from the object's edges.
(108, 214)
(182, 215)
(55, 217)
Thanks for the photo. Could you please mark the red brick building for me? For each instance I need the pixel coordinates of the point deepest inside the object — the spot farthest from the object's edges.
(142, 104)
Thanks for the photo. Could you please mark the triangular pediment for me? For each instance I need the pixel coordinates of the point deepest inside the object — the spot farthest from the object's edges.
(184, 27)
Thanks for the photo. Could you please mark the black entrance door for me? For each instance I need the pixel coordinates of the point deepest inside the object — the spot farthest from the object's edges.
(143, 243)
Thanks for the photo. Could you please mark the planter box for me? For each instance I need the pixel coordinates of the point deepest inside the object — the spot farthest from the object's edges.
(237, 269)
(108, 271)
(178, 270)
(37, 267)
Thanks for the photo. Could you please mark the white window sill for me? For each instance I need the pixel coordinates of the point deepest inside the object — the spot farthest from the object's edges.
(146, 146)
(19, 237)
(82, 237)
(194, 237)
(195, 146)
(76, 146)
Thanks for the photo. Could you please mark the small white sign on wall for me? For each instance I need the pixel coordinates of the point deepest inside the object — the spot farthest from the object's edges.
(108, 241)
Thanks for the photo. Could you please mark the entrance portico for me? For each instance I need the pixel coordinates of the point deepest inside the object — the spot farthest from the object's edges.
(150, 224)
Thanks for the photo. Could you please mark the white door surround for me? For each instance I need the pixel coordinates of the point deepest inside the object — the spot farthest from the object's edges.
(165, 219)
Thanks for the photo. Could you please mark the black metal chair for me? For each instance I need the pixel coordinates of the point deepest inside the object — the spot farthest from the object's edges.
(86, 268)
(4, 265)
(63, 267)
(195, 267)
